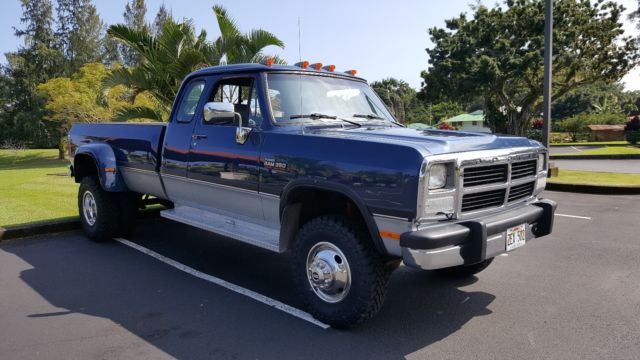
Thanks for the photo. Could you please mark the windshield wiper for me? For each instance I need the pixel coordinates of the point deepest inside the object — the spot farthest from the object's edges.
(375, 117)
(368, 116)
(313, 116)
(317, 116)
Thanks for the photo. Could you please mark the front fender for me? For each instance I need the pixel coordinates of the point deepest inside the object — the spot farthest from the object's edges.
(105, 163)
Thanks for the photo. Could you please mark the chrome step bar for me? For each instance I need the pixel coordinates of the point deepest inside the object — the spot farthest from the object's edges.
(250, 233)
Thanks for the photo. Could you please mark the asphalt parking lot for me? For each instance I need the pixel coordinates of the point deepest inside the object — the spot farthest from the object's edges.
(571, 295)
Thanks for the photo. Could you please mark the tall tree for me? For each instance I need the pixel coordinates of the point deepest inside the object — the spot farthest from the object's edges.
(134, 14)
(498, 54)
(175, 52)
(237, 47)
(33, 63)
(80, 33)
(397, 95)
(161, 18)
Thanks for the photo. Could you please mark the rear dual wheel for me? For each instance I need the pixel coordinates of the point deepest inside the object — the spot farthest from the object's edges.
(104, 214)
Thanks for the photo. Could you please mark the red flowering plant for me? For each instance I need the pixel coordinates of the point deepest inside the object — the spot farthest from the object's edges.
(445, 126)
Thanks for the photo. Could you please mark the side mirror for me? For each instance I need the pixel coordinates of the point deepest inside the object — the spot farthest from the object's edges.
(219, 112)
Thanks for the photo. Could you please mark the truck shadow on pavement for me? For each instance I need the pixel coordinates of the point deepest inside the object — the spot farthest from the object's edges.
(189, 318)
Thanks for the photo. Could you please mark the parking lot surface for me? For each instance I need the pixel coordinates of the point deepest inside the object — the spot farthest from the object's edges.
(571, 295)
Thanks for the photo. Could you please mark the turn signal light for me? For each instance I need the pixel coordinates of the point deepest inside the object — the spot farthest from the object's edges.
(330, 68)
(317, 66)
(302, 64)
(351, 72)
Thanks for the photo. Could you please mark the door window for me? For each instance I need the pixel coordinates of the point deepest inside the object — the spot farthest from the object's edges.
(190, 100)
(242, 93)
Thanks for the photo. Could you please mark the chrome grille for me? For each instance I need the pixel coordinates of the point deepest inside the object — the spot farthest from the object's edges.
(521, 191)
(523, 169)
(483, 175)
(481, 200)
(498, 180)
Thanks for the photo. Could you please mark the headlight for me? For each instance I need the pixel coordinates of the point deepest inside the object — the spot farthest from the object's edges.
(542, 158)
(437, 176)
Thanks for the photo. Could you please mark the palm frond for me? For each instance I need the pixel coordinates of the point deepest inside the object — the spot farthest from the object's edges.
(139, 40)
(138, 112)
(228, 27)
(259, 39)
(260, 58)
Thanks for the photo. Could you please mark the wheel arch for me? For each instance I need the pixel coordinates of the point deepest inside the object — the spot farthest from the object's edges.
(293, 212)
(98, 160)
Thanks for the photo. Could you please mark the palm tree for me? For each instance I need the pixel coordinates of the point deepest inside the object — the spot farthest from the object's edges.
(175, 52)
(237, 47)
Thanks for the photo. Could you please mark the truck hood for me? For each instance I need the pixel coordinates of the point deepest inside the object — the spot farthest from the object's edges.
(430, 142)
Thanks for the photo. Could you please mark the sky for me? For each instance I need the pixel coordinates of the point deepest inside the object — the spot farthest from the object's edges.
(379, 38)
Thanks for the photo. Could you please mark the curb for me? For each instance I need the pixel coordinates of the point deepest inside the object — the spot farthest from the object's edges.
(55, 226)
(594, 157)
(594, 189)
(39, 228)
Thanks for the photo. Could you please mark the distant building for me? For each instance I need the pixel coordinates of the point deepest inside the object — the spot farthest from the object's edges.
(606, 132)
(473, 121)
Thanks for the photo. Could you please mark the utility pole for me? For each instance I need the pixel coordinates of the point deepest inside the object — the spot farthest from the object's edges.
(548, 62)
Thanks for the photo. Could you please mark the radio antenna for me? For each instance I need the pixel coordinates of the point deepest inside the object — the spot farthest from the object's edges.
(299, 41)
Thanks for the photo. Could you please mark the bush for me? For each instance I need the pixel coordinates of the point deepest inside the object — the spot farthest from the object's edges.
(535, 134)
(575, 126)
(632, 130)
(633, 137)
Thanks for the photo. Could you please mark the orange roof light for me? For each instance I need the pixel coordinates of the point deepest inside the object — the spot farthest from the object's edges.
(302, 64)
(351, 72)
(317, 66)
(268, 62)
(330, 68)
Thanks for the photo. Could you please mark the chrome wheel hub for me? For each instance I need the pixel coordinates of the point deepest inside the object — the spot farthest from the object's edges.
(89, 208)
(328, 272)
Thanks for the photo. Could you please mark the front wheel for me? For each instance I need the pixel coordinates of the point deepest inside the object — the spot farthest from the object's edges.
(98, 210)
(340, 276)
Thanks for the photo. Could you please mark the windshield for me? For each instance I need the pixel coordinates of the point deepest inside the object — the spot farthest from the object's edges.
(300, 98)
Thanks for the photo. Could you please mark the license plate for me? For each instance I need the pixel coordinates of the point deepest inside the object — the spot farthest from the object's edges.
(516, 237)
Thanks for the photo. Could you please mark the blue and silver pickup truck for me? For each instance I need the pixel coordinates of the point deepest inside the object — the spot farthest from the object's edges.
(309, 161)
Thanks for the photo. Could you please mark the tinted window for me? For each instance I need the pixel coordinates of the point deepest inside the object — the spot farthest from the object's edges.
(242, 93)
(189, 102)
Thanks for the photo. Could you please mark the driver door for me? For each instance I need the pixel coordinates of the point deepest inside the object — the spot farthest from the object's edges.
(225, 174)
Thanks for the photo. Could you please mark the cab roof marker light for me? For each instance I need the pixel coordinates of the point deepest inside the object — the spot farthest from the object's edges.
(330, 68)
(302, 64)
(317, 66)
(351, 72)
(268, 62)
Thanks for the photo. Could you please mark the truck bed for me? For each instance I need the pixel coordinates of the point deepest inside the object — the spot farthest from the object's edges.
(135, 145)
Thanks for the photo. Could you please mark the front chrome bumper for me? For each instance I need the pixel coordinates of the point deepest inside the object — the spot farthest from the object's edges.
(470, 242)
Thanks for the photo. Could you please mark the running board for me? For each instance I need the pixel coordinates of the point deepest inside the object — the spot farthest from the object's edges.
(250, 233)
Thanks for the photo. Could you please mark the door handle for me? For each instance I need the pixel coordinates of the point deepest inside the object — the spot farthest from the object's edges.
(198, 136)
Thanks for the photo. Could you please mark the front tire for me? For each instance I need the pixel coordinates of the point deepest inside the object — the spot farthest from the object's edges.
(342, 279)
(98, 210)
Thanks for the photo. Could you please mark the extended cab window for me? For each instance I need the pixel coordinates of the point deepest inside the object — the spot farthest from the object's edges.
(189, 102)
(242, 93)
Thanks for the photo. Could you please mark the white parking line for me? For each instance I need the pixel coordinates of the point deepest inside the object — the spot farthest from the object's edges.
(238, 289)
(574, 216)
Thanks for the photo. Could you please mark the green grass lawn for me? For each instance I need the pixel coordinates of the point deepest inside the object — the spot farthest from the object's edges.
(613, 150)
(595, 178)
(34, 187)
(588, 143)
